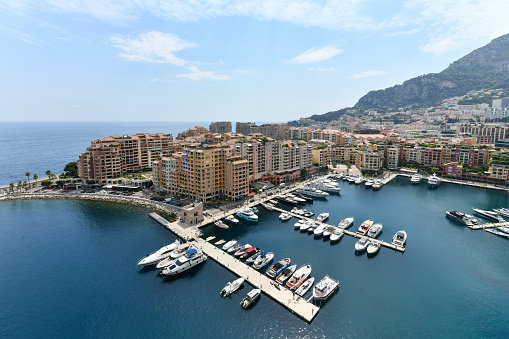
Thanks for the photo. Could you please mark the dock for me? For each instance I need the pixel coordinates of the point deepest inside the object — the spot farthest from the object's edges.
(294, 303)
(347, 232)
(490, 225)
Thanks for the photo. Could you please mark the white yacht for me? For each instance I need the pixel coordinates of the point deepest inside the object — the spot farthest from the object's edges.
(306, 225)
(322, 217)
(374, 247)
(416, 178)
(375, 230)
(180, 251)
(359, 180)
(287, 273)
(299, 277)
(285, 216)
(319, 230)
(229, 244)
(327, 187)
(489, 214)
(399, 238)
(361, 244)
(160, 254)
(460, 217)
(165, 262)
(434, 181)
(336, 235)
(327, 231)
(247, 214)
(369, 183)
(503, 211)
(192, 258)
(324, 288)
(263, 259)
(313, 192)
(231, 219)
(306, 285)
(268, 206)
(377, 185)
(231, 287)
(345, 223)
(299, 223)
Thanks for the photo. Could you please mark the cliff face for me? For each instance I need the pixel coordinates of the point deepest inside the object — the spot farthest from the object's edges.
(486, 67)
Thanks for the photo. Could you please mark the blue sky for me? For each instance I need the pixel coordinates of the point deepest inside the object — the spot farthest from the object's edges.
(263, 60)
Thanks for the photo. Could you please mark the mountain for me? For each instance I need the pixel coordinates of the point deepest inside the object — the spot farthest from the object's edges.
(484, 68)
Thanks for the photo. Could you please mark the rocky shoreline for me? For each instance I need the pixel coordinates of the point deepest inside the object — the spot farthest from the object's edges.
(97, 197)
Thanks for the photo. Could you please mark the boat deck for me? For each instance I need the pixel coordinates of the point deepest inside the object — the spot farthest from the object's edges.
(347, 232)
(489, 225)
(302, 308)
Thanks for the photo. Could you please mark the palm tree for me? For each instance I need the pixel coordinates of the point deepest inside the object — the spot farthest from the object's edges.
(20, 184)
(25, 184)
(11, 186)
(49, 174)
(28, 176)
(35, 178)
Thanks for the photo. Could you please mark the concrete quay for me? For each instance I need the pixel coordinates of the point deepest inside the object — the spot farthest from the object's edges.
(489, 225)
(283, 296)
(347, 232)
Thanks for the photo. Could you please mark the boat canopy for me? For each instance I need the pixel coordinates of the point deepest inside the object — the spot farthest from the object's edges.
(191, 251)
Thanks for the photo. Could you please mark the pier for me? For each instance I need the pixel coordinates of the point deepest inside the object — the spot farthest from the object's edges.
(294, 303)
(347, 232)
(490, 225)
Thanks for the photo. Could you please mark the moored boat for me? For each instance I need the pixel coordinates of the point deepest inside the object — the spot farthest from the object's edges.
(375, 230)
(221, 224)
(434, 181)
(322, 217)
(361, 244)
(319, 230)
(278, 267)
(191, 258)
(416, 178)
(313, 192)
(249, 253)
(374, 247)
(287, 273)
(305, 286)
(298, 277)
(160, 254)
(336, 235)
(377, 185)
(242, 250)
(364, 227)
(231, 287)
(235, 248)
(232, 220)
(489, 214)
(399, 238)
(180, 250)
(459, 217)
(502, 211)
(247, 214)
(345, 223)
(327, 231)
(369, 183)
(229, 244)
(285, 216)
(325, 288)
(497, 232)
(263, 259)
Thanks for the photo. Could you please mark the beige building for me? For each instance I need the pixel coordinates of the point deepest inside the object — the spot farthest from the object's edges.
(220, 127)
(366, 160)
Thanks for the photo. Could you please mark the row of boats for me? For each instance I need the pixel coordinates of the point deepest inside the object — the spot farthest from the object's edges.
(375, 184)
(496, 215)
(433, 181)
(174, 258)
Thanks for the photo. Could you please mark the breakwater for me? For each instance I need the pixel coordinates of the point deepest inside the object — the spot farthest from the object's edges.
(97, 197)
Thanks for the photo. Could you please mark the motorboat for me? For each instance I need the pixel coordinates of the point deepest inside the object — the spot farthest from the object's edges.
(319, 230)
(497, 232)
(326, 187)
(221, 224)
(229, 244)
(377, 185)
(322, 217)
(434, 181)
(231, 287)
(416, 178)
(306, 225)
(255, 256)
(297, 211)
(299, 223)
(278, 267)
(364, 227)
(253, 209)
(263, 259)
(369, 183)
(309, 214)
(165, 262)
(336, 234)
(459, 217)
(313, 192)
(273, 202)
(191, 258)
(473, 219)
(285, 216)
(287, 273)
(298, 277)
(249, 253)
(268, 206)
(374, 247)
(231, 220)
(327, 231)
(375, 230)
(345, 223)
(325, 288)
(361, 244)
(160, 254)
(351, 179)
(359, 180)
(502, 211)
(242, 250)
(489, 214)
(312, 226)
(306, 198)
(399, 238)
(235, 248)
(305, 286)
(504, 229)
(247, 214)
(250, 298)
(180, 250)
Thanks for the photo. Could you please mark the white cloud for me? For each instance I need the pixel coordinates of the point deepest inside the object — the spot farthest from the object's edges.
(315, 55)
(153, 47)
(197, 74)
(366, 74)
(322, 69)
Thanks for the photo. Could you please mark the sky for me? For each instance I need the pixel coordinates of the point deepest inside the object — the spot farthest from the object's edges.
(198, 60)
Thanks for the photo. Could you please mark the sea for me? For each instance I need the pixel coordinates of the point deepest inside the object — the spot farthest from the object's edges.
(69, 270)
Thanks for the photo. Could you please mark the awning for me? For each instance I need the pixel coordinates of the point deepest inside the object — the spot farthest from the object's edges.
(250, 194)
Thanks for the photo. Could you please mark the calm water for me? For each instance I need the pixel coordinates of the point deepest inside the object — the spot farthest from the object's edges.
(36, 147)
(69, 269)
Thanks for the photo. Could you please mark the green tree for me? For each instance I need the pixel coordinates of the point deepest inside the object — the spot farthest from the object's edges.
(35, 178)
(46, 183)
(303, 173)
(11, 186)
(60, 183)
(71, 169)
(20, 184)
(49, 173)
(28, 176)
(25, 184)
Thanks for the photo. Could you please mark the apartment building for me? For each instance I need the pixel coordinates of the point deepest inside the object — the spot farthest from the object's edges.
(244, 127)
(495, 132)
(112, 156)
(321, 155)
(220, 127)
(368, 160)
(343, 154)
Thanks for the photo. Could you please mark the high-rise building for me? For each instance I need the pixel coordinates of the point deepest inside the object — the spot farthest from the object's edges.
(220, 127)
(244, 127)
